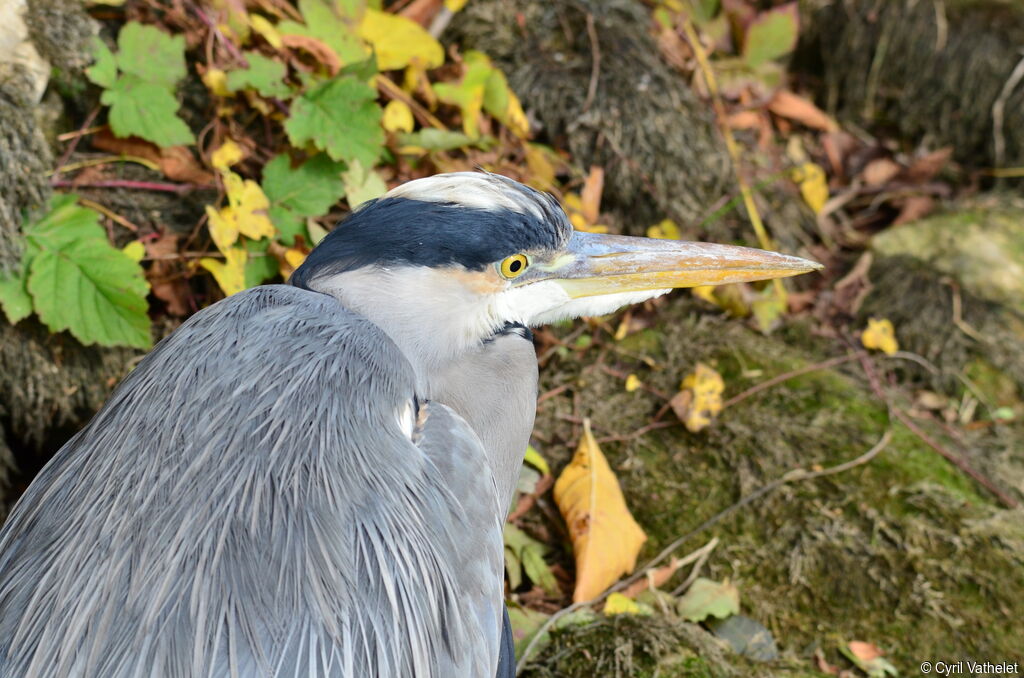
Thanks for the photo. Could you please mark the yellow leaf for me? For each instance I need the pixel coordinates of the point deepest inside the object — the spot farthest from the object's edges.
(706, 385)
(229, 274)
(605, 538)
(398, 41)
(880, 335)
(294, 257)
(397, 117)
(245, 213)
(227, 155)
(705, 292)
(813, 185)
(249, 205)
(266, 29)
(135, 250)
(216, 81)
(632, 383)
(665, 230)
(223, 228)
(455, 5)
(620, 604)
(542, 169)
(361, 184)
(534, 459)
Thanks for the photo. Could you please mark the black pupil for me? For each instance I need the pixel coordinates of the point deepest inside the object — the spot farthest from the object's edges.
(515, 266)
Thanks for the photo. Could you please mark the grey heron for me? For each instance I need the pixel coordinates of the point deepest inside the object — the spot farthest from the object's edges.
(310, 479)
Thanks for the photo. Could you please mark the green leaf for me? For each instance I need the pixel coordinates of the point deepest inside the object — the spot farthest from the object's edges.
(468, 94)
(93, 290)
(534, 458)
(260, 266)
(14, 296)
(333, 24)
(103, 72)
(64, 224)
(145, 110)
(265, 75)
(309, 190)
(362, 185)
(771, 34)
(525, 624)
(151, 54)
(527, 553)
(707, 598)
(78, 282)
(340, 116)
(432, 139)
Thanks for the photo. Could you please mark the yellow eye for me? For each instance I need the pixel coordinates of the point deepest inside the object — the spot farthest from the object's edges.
(513, 267)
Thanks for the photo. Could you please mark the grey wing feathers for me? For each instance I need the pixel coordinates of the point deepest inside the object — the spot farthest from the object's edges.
(248, 504)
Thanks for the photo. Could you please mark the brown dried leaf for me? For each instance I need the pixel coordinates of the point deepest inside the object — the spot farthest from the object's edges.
(913, 208)
(927, 166)
(605, 537)
(880, 171)
(318, 49)
(744, 120)
(653, 578)
(176, 162)
(795, 107)
(590, 196)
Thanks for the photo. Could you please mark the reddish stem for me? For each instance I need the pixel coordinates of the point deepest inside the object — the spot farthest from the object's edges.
(164, 186)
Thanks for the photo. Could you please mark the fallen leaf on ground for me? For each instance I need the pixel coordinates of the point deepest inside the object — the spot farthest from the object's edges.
(666, 229)
(707, 598)
(700, 399)
(813, 185)
(605, 537)
(525, 555)
(880, 171)
(245, 213)
(534, 459)
(880, 335)
(230, 273)
(177, 162)
(633, 383)
(590, 196)
(913, 208)
(653, 578)
(868, 659)
(795, 107)
(620, 604)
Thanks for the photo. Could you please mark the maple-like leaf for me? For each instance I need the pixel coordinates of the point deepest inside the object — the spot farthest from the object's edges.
(706, 598)
(230, 273)
(880, 335)
(700, 399)
(245, 213)
(398, 42)
(605, 537)
(146, 110)
(309, 190)
(341, 117)
(265, 75)
(78, 282)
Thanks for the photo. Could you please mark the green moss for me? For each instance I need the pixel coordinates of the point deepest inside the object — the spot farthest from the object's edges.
(904, 552)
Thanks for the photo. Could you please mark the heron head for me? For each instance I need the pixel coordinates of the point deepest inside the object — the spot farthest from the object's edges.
(443, 262)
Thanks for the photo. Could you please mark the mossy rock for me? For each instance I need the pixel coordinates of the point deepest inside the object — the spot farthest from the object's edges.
(641, 121)
(924, 70)
(50, 386)
(983, 248)
(905, 552)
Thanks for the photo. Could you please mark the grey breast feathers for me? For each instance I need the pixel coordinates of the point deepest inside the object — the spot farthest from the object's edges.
(249, 503)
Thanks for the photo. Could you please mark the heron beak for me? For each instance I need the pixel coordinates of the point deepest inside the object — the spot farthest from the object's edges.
(596, 264)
